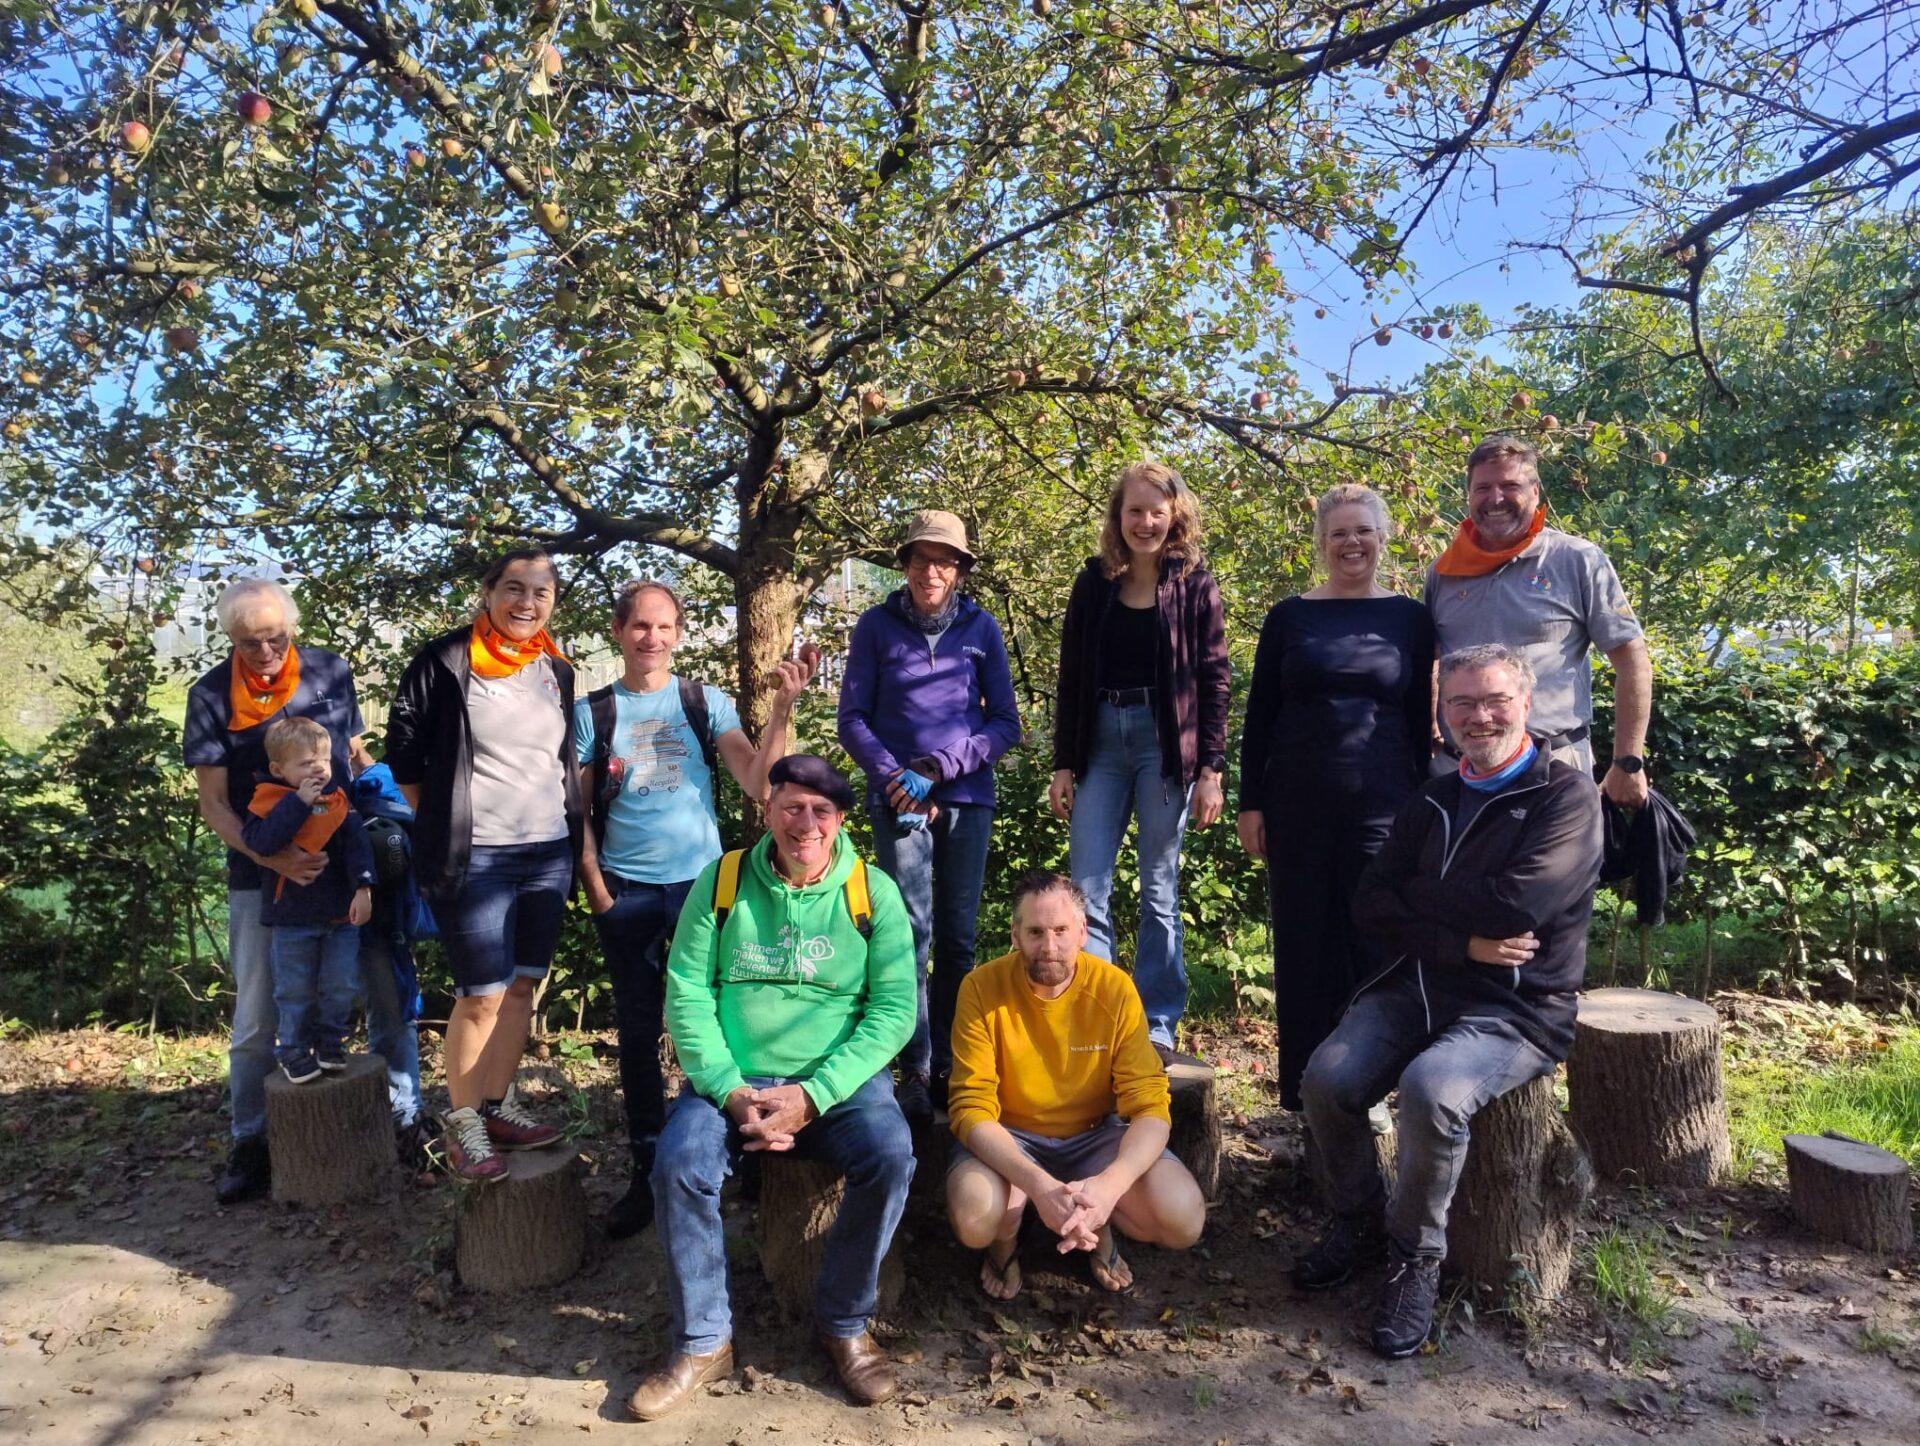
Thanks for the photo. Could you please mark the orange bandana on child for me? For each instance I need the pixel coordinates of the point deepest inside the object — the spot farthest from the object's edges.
(252, 700)
(495, 655)
(318, 828)
(1467, 557)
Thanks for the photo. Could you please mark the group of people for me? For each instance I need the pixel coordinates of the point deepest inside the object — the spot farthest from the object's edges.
(1428, 932)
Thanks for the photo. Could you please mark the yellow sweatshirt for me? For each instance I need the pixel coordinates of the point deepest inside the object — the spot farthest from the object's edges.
(1053, 1067)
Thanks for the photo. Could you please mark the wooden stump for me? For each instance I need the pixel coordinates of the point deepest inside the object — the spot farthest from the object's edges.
(1846, 1189)
(1195, 1137)
(1386, 1159)
(1525, 1180)
(1644, 1088)
(527, 1230)
(799, 1201)
(331, 1139)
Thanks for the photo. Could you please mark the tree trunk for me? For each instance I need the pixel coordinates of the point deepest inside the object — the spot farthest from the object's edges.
(331, 1140)
(1845, 1189)
(1195, 1137)
(767, 595)
(1511, 1225)
(526, 1231)
(1645, 1090)
(799, 1201)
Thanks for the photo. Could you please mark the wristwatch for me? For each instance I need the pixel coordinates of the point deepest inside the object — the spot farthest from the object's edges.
(1629, 763)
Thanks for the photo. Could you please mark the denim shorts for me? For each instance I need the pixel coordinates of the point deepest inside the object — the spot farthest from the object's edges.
(505, 921)
(1074, 1157)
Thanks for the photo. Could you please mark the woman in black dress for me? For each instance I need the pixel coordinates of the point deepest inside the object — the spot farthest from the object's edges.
(1338, 735)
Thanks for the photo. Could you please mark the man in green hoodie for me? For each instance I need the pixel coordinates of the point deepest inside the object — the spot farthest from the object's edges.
(789, 988)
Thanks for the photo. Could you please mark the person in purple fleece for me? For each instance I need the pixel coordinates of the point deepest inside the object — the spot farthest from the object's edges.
(926, 706)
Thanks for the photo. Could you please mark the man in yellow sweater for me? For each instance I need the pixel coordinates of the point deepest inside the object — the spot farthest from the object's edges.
(1050, 1050)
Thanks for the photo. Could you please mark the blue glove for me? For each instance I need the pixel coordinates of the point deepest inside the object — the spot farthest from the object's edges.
(916, 784)
(910, 822)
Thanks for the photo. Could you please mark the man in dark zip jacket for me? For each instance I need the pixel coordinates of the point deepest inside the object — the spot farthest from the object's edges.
(1482, 893)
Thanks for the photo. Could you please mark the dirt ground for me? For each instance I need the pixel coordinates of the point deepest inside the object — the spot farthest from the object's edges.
(134, 1310)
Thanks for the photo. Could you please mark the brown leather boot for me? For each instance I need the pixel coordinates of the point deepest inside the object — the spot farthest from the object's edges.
(678, 1379)
(864, 1368)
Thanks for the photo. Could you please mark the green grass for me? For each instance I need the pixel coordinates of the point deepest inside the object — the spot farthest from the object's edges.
(1623, 1277)
(1873, 1096)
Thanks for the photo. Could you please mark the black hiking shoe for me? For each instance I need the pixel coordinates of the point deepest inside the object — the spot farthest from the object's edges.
(1405, 1318)
(249, 1172)
(633, 1211)
(410, 1144)
(1352, 1241)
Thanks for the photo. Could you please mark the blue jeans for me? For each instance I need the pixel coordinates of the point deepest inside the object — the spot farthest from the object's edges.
(250, 1052)
(390, 1034)
(316, 972)
(940, 870)
(864, 1137)
(633, 935)
(1444, 1077)
(1123, 781)
(505, 920)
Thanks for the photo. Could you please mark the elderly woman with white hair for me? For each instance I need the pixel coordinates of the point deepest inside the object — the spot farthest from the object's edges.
(1338, 734)
(263, 678)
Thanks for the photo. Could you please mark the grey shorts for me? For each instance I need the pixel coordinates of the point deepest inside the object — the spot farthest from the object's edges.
(1075, 1157)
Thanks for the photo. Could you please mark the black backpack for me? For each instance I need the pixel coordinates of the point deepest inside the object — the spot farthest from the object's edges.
(600, 707)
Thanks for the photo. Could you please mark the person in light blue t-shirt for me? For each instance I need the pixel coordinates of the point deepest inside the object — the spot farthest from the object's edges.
(648, 746)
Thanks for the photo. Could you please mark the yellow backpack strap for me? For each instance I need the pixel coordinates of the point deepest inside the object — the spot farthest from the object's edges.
(726, 885)
(859, 902)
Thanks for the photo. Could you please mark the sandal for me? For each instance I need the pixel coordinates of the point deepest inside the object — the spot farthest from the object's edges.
(1001, 1270)
(1105, 1260)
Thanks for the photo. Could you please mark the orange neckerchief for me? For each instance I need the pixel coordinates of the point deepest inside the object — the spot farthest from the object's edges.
(318, 828)
(1465, 557)
(495, 655)
(252, 700)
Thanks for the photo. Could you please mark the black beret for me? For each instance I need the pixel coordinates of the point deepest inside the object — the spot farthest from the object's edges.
(811, 772)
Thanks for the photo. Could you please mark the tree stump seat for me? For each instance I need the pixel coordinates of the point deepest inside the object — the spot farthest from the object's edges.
(1196, 1134)
(526, 1231)
(1644, 1088)
(799, 1201)
(331, 1139)
(1845, 1189)
(1526, 1177)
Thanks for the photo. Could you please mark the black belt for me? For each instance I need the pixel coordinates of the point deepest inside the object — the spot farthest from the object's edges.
(1125, 697)
(1552, 740)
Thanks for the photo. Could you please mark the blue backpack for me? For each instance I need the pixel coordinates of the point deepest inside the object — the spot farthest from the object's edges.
(397, 907)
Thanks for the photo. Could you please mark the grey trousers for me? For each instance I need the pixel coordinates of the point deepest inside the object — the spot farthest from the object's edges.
(1444, 1077)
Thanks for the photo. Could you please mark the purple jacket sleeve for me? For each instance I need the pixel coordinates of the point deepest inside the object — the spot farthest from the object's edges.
(1002, 730)
(859, 699)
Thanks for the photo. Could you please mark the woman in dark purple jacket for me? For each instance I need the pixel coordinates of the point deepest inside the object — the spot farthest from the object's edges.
(1140, 727)
(926, 706)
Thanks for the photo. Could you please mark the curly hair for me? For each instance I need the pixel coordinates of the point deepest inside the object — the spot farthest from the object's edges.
(1183, 531)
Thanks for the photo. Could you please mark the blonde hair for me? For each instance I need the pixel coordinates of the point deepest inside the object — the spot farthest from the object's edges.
(1349, 494)
(296, 738)
(1183, 530)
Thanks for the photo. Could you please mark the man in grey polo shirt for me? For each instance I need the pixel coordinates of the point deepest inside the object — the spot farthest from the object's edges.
(1508, 578)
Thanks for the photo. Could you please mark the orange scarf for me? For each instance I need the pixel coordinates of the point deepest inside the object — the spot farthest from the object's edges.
(318, 828)
(1466, 557)
(495, 655)
(252, 700)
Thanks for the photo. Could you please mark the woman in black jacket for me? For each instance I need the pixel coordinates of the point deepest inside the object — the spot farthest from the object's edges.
(1140, 725)
(1339, 718)
(480, 742)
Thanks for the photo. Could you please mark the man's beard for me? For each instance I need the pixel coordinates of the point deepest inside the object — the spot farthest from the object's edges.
(1049, 972)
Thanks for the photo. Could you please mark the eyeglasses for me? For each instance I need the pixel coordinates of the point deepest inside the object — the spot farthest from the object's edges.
(1493, 703)
(271, 643)
(920, 562)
